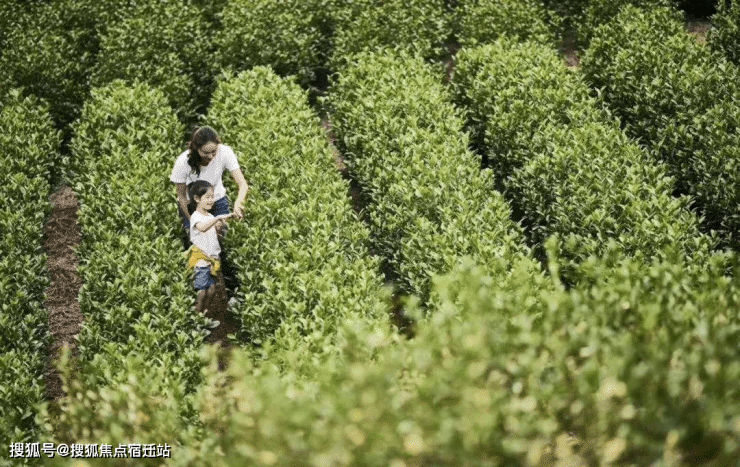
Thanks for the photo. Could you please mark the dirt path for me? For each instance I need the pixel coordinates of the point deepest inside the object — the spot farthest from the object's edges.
(62, 235)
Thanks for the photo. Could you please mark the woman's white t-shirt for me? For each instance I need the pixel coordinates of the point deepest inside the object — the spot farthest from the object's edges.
(212, 173)
(206, 241)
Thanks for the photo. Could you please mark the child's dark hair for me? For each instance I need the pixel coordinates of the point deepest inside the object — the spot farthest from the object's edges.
(201, 137)
(197, 188)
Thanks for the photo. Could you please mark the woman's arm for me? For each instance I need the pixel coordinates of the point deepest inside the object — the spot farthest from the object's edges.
(182, 199)
(243, 190)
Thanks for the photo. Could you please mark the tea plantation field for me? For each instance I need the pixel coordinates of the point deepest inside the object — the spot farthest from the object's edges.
(456, 250)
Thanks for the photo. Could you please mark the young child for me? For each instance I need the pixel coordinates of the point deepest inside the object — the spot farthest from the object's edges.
(204, 253)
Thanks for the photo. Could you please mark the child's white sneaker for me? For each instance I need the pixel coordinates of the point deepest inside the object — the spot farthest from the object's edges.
(213, 323)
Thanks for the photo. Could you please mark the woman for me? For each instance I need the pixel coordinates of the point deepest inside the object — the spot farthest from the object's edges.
(206, 159)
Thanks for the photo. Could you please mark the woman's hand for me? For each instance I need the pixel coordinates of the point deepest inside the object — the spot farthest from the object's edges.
(239, 210)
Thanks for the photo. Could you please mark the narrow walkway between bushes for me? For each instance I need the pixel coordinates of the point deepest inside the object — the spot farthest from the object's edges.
(62, 236)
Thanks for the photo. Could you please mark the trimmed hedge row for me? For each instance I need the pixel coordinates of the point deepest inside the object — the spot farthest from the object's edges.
(679, 99)
(637, 369)
(428, 203)
(48, 49)
(301, 252)
(166, 44)
(137, 295)
(29, 143)
(566, 165)
(288, 36)
(725, 33)
(483, 21)
(419, 27)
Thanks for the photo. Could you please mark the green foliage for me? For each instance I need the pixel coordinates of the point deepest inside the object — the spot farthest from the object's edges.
(301, 252)
(428, 203)
(680, 99)
(48, 50)
(166, 44)
(285, 35)
(136, 295)
(483, 21)
(725, 33)
(504, 98)
(30, 145)
(419, 27)
(566, 165)
(598, 12)
(637, 369)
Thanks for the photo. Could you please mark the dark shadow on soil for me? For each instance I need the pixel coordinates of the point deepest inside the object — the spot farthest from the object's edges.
(62, 236)
(219, 310)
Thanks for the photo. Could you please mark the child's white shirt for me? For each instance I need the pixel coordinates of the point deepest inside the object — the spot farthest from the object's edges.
(225, 159)
(206, 241)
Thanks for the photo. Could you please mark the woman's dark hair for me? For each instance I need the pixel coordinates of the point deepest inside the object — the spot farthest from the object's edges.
(201, 137)
(197, 188)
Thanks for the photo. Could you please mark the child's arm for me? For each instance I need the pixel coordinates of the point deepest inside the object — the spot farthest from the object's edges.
(203, 226)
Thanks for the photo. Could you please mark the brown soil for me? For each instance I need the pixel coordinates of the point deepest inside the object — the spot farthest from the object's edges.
(699, 28)
(62, 235)
(354, 189)
(219, 310)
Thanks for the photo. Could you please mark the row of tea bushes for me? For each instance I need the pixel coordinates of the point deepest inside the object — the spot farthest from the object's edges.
(164, 43)
(302, 37)
(428, 203)
(565, 164)
(29, 143)
(483, 21)
(420, 28)
(140, 330)
(725, 33)
(287, 36)
(59, 49)
(679, 99)
(48, 49)
(301, 251)
(638, 369)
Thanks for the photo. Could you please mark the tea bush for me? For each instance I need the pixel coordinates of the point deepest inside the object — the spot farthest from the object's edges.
(136, 297)
(301, 252)
(30, 145)
(724, 36)
(483, 21)
(166, 44)
(635, 369)
(566, 165)
(419, 27)
(428, 203)
(681, 100)
(48, 50)
(287, 36)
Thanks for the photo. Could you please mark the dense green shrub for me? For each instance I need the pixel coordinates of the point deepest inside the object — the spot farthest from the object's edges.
(287, 36)
(420, 27)
(594, 13)
(483, 21)
(48, 50)
(136, 295)
(506, 98)
(725, 33)
(678, 98)
(30, 145)
(301, 252)
(166, 44)
(428, 203)
(567, 166)
(633, 370)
